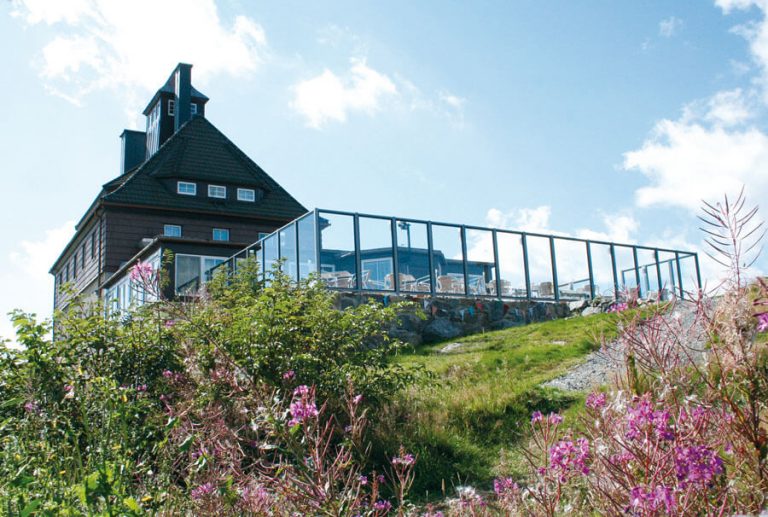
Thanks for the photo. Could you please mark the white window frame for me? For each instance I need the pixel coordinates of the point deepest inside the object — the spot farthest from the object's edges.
(181, 185)
(167, 226)
(192, 109)
(171, 107)
(213, 234)
(201, 273)
(212, 189)
(243, 193)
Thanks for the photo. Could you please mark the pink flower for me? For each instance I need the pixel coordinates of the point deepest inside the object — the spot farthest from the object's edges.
(404, 459)
(31, 407)
(650, 500)
(555, 419)
(536, 416)
(141, 388)
(762, 322)
(202, 491)
(697, 465)
(290, 374)
(567, 457)
(619, 307)
(169, 324)
(142, 272)
(595, 401)
(363, 479)
(382, 506)
(357, 399)
(302, 406)
(504, 486)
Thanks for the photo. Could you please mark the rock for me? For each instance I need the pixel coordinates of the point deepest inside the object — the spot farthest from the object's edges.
(589, 311)
(450, 347)
(441, 329)
(411, 338)
(577, 305)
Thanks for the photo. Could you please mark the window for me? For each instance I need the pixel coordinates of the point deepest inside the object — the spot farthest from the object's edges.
(262, 235)
(193, 270)
(66, 272)
(217, 191)
(193, 109)
(375, 273)
(220, 234)
(172, 230)
(187, 188)
(246, 194)
(93, 244)
(82, 256)
(171, 106)
(74, 265)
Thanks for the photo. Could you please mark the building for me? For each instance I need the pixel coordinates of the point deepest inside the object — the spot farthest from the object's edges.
(184, 187)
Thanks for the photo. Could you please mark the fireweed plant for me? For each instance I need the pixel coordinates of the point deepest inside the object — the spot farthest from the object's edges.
(253, 398)
(256, 399)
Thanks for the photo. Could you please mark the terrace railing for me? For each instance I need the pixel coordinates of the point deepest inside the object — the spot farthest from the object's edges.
(380, 254)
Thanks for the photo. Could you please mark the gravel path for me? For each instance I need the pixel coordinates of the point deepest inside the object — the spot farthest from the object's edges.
(600, 366)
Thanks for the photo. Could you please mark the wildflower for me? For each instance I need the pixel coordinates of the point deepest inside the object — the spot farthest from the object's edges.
(762, 322)
(697, 465)
(642, 420)
(69, 391)
(169, 324)
(567, 457)
(290, 374)
(619, 307)
(141, 271)
(256, 499)
(202, 491)
(146, 498)
(303, 406)
(504, 486)
(357, 399)
(141, 388)
(555, 419)
(536, 416)
(596, 401)
(31, 407)
(167, 374)
(381, 479)
(649, 500)
(383, 506)
(404, 459)
(363, 479)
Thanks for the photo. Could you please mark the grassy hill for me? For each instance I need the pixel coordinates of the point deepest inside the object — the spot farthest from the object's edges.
(475, 412)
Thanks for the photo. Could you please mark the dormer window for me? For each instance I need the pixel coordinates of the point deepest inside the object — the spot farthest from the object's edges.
(187, 188)
(217, 191)
(193, 109)
(246, 194)
(171, 107)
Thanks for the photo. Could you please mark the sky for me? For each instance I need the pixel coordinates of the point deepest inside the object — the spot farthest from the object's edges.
(598, 119)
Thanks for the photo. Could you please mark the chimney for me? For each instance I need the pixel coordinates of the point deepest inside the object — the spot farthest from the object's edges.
(132, 149)
(183, 93)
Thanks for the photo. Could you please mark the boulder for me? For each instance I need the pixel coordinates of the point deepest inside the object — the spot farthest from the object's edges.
(589, 311)
(441, 329)
(577, 305)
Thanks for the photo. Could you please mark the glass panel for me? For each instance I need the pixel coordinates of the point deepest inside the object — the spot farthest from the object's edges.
(307, 253)
(625, 266)
(572, 269)
(511, 265)
(337, 250)
(669, 282)
(209, 263)
(413, 256)
(481, 267)
(288, 250)
(688, 274)
(376, 254)
(602, 270)
(270, 253)
(540, 264)
(448, 259)
(187, 272)
(649, 277)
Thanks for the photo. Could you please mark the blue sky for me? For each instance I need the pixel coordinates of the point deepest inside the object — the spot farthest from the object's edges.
(593, 118)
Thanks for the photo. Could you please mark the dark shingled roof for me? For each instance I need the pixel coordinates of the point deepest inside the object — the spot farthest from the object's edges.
(200, 152)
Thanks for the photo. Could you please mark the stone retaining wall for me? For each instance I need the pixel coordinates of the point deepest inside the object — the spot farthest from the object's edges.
(438, 319)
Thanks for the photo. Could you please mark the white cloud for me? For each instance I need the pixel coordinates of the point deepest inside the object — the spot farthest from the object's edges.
(669, 26)
(691, 159)
(25, 279)
(102, 44)
(330, 97)
(525, 219)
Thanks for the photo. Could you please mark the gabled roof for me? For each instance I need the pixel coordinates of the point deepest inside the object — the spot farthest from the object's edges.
(200, 152)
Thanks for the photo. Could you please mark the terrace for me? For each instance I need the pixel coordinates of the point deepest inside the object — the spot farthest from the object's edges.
(377, 254)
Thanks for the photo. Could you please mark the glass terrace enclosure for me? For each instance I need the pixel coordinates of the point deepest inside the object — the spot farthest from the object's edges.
(370, 253)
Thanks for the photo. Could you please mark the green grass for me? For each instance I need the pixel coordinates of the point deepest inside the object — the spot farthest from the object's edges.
(468, 424)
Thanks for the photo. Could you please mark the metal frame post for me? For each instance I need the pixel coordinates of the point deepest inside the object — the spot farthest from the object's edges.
(637, 270)
(298, 262)
(430, 253)
(317, 243)
(395, 261)
(358, 263)
(590, 270)
(679, 276)
(526, 266)
(496, 262)
(658, 272)
(698, 271)
(463, 236)
(553, 258)
(615, 273)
